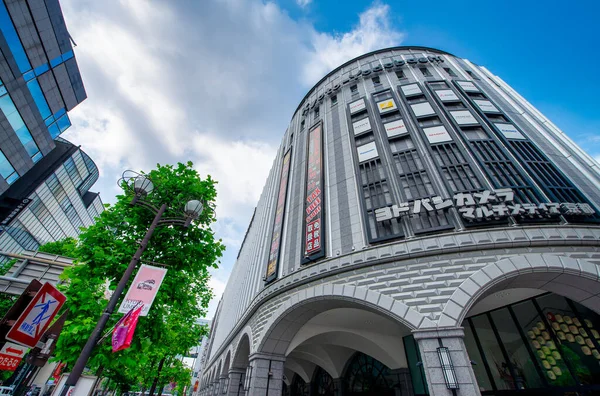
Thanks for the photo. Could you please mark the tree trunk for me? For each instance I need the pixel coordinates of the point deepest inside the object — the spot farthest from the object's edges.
(155, 382)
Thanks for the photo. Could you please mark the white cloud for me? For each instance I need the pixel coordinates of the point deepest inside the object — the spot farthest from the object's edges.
(303, 3)
(214, 82)
(374, 31)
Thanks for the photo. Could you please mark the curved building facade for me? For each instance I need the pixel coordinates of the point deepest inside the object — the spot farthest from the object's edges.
(423, 230)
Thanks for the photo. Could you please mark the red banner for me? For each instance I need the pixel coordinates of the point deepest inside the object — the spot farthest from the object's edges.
(278, 222)
(313, 242)
(124, 330)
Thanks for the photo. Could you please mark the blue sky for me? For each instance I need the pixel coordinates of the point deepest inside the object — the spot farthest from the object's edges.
(548, 51)
(217, 81)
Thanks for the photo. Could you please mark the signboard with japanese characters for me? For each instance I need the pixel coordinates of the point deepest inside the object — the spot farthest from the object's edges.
(395, 128)
(411, 89)
(11, 355)
(422, 109)
(367, 151)
(463, 117)
(278, 221)
(437, 134)
(386, 105)
(485, 206)
(313, 204)
(446, 95)
(510, 131)
(361, 126)
(485, 105)
(33, 322)
(468, 86)
(357, 106)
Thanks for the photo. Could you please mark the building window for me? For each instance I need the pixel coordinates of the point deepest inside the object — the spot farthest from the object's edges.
(425, 71)
(322, 383)
(376, 81)
(400, 74)
(6, 169)
(354, 89)
(334, 100)
(450, 72)
(317, 112)
(302, 124)
(18, 125)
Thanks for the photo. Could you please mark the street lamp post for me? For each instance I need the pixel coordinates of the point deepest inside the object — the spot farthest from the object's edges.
(141, 186)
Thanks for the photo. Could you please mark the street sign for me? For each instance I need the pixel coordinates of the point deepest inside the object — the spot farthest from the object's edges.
(11, 355)
(38, 315)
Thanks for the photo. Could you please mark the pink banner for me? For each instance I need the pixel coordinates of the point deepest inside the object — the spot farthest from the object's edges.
(143, 289)
(125, 329)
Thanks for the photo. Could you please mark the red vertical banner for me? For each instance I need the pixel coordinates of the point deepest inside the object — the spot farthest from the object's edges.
(278, 222)
(313, 204)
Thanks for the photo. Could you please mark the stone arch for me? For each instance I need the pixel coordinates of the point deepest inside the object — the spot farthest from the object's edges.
(226, 364)
(243, 349)
(306, 303)
(576, 279)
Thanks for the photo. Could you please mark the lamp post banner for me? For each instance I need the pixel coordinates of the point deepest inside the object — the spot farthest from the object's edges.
(143, 289)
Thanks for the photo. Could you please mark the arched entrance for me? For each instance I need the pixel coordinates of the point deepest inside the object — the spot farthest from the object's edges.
(315, 339)
(534, 332)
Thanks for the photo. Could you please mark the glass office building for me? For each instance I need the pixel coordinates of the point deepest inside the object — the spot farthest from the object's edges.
(424, 230)
(44, 180)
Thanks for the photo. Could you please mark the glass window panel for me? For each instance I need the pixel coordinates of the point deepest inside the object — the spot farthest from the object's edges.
(523, 367)
(54, 131)
(543, 347)
(576, 343)
(67, 55)
(56, 61)
(491, 348)
(39, 98)
(63, 123)
(12, 38)
(41, 69)
(483, 380)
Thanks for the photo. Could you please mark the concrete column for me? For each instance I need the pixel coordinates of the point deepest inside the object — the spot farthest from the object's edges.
(236, 382)
(453, 339)
(267, 374)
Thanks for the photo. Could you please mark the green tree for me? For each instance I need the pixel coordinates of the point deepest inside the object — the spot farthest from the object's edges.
(102, 255)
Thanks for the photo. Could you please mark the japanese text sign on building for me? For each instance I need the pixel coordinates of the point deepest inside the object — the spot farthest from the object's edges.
(278, 222)
(11, 355)
(38, 315)
(314, 194)
(484, 206)
(144, 288)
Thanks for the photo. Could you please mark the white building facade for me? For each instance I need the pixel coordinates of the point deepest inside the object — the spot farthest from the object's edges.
(424, 230)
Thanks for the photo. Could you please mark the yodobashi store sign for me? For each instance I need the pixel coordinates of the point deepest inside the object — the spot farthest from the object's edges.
(278, 222)
(485, 206)
(313, 223)
(357, 106)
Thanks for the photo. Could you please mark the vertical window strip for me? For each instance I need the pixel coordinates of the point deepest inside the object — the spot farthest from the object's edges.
(16, 122)
(12, 38)
(6, 169)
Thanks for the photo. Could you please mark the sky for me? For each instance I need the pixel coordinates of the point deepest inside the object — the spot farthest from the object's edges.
(217, 81)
